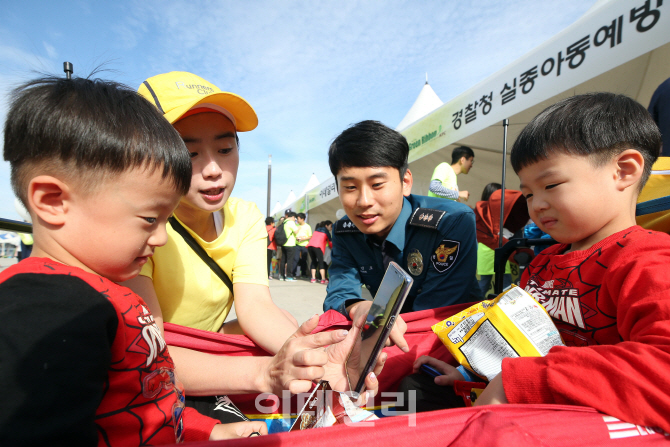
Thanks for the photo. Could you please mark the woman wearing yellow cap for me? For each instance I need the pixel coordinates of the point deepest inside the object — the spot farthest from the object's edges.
(231, 231)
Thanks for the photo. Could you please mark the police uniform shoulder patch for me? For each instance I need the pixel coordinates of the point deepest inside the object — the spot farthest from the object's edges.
(345, 226)
(426, 217)
(445, 255)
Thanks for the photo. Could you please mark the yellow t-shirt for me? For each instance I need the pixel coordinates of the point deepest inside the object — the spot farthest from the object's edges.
(189, 292)
(304, 230)
(445, 174)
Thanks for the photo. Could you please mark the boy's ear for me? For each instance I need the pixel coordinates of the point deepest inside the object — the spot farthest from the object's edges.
(48, 198)
(407, 182)
(630, 166)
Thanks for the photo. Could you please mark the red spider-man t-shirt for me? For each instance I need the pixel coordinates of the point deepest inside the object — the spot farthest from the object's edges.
(84, 363)
(611, 304)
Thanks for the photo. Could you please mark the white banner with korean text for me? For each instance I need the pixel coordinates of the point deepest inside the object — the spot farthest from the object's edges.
(603, 39)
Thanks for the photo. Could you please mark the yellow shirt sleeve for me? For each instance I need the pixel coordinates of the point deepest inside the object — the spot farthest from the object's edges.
(189, 292)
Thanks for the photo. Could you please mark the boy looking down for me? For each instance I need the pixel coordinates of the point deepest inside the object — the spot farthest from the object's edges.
(582, 163)
(83, 362)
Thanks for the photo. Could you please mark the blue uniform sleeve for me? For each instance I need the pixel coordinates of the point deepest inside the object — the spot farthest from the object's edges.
(344, 286)
(459, 283)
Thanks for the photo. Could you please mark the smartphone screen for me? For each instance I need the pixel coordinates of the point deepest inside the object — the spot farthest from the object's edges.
(382, 315)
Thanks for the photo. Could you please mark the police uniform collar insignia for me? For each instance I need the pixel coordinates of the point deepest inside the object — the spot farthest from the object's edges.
(426, 217)
(345, 226)
(415, 262)
(445, 255)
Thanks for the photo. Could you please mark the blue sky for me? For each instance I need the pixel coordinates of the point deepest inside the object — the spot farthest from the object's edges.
(309, 68)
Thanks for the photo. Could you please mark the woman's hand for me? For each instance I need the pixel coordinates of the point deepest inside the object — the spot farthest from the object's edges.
(301, 360)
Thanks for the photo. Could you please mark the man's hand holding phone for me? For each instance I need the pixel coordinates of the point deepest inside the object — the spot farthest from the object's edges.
(344, 361)
(397, 337)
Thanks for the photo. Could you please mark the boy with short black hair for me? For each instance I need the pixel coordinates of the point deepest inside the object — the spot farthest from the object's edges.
(100, 171)
(582, 163)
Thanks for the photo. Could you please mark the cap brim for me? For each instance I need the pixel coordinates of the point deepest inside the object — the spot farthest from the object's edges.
(245, 116)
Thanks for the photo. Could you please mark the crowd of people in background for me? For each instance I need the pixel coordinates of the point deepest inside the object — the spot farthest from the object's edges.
(294, 250)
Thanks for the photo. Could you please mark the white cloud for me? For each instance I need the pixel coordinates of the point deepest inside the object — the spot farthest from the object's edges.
(51, 51)
(309, 68)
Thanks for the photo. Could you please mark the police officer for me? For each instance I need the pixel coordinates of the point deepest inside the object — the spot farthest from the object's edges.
(433, 239)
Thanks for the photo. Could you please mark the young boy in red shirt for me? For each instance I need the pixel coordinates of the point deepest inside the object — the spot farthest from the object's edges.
(82, 361)
(582, 163)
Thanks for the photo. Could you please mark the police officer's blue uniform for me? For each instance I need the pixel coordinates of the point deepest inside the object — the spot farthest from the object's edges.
(433, 239)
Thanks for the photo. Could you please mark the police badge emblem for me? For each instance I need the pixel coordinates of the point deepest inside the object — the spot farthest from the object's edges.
(415, 262)
(445, 255)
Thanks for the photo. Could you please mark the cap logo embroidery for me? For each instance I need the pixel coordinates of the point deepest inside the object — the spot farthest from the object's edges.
(201, 89)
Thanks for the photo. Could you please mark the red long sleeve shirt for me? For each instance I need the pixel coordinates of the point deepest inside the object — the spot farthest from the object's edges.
(611, 304)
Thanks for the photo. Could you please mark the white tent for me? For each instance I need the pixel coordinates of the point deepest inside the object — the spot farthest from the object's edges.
(617, 46)
(633, 60)
(289, 200)
(426, 102)
(277, 208)
(311, 184)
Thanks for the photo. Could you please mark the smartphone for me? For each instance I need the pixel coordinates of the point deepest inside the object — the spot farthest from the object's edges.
(388, 301)
(429, 370)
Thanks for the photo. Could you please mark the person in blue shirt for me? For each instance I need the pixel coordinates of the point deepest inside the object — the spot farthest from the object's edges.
(433, 239)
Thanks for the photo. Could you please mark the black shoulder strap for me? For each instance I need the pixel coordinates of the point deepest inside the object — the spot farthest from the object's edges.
(179, 228)
(345, 226)
(426, 217)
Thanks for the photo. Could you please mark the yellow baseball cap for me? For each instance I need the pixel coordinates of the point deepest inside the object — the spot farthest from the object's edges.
(177, 92)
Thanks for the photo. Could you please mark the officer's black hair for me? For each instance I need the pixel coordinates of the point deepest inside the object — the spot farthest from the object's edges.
(597, 125)
(368, 144)
(85, 130)
(301, 215)
(460, 152)
(291, 214)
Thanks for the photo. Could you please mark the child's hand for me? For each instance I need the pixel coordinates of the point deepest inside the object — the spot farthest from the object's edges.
(494, 393)
(237, 430)
(449, 372)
